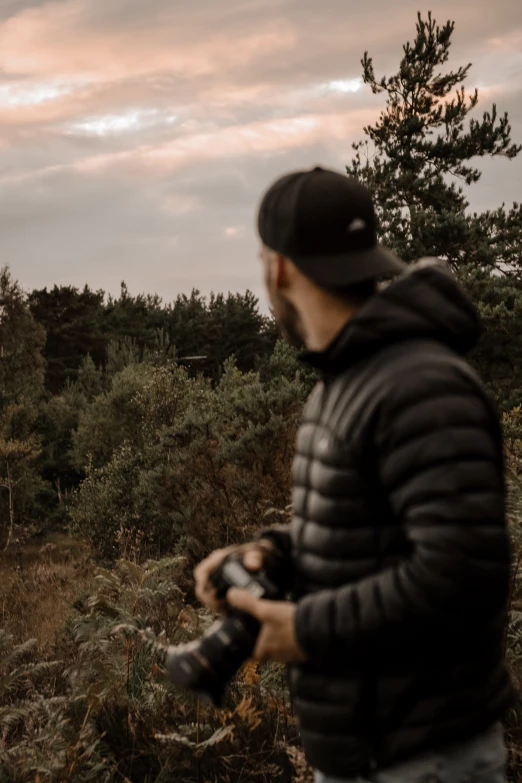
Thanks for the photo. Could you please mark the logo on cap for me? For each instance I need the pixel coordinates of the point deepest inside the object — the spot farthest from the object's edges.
(357, 224)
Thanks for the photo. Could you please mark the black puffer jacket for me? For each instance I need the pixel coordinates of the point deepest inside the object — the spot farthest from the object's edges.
(398, 541)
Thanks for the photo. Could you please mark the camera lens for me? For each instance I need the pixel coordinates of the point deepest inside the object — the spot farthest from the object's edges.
(207, 665)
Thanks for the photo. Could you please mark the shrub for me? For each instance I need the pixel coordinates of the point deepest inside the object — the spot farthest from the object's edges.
(200, 469)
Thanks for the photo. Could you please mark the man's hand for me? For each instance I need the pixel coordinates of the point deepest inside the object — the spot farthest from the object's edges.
(277, 640)
(254, 554)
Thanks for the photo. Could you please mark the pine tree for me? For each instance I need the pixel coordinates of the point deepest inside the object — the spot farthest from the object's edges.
(237, 329)
(73, 323)
(21, 389)
(137, 318)
(418, 160)
(21, 345)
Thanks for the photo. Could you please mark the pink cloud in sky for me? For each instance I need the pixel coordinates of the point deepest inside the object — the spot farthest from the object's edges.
(123, 121)
(55, 40)
(258, 138)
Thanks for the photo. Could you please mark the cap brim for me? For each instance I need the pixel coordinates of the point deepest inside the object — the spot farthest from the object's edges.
(350, 268)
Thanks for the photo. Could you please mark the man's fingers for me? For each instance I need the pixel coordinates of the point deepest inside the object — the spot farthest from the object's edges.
(204, 589)
(242, 599)
(253, 560)
(253, 555)
(207, 565)
(204, 592)
(205, 568)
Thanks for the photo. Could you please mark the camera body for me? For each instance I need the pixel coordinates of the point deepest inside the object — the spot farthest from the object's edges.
(206, 665)
(232, 573)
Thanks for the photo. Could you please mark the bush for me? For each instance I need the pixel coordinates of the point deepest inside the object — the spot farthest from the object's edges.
(512, 423)
(200, 466)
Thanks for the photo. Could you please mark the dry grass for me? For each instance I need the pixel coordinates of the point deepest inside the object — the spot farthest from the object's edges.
(38, 583)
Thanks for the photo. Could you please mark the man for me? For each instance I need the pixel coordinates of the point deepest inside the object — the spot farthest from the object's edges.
(397, 553)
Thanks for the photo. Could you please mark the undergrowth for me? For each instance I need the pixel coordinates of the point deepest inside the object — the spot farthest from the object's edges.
(104, 711)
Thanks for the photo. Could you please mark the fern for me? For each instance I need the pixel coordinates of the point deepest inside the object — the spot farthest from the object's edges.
(114, 717)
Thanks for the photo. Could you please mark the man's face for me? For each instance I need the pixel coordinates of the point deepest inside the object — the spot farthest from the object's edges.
(285, 313)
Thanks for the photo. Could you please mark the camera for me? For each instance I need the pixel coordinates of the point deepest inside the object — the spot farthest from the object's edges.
(206, 665)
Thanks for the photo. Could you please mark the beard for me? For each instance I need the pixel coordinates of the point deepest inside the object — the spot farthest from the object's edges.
(287, 319)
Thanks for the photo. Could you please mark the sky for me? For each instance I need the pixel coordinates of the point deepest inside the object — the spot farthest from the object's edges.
(136, 138)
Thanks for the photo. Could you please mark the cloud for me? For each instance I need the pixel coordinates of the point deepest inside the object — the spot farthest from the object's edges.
(61, 39)
(13, 95)
(135, 138)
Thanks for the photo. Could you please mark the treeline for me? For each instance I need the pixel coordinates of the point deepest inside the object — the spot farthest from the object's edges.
(129, 390)
(81, 323)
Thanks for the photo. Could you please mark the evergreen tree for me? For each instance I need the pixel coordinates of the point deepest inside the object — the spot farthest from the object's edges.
(21, 390)
(73, 321)
(138, 318)
(418, 160)
(188, 325)
(90, 381)
(237, 329)
(21, 344)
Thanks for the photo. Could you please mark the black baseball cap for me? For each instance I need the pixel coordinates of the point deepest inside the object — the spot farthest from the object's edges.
(325, 223)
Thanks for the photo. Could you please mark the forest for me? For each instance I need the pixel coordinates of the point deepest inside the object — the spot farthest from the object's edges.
(137, 435)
